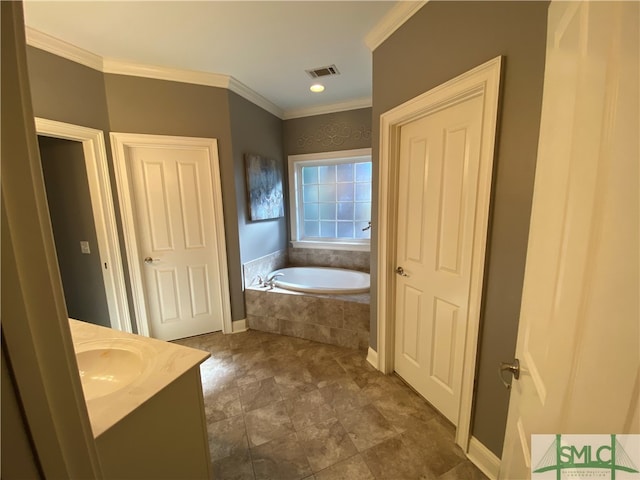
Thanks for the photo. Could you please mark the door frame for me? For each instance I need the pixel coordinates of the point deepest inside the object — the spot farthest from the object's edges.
(120, 142)
(104, 217)
(483, 81)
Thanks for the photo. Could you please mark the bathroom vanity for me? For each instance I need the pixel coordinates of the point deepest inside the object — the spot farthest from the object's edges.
(145, 404)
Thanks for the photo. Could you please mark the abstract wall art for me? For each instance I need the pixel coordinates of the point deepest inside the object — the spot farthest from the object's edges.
(264, 184)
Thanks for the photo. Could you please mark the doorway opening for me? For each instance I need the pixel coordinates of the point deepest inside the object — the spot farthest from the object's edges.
(74, 231)
(77, 184)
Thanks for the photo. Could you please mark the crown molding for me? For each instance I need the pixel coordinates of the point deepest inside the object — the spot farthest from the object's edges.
(121, 67)
(58, 47)
(323, 109)
(241, 89)
(393, 20)
(63, 49)
(48, 43)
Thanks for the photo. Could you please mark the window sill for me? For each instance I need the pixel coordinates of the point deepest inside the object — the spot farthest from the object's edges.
(356, 247)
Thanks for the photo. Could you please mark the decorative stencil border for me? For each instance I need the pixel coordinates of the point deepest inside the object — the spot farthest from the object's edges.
(335, 134)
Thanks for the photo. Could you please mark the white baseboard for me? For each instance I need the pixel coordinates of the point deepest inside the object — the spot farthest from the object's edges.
(238, 326)
(372, 358)
(483, 458)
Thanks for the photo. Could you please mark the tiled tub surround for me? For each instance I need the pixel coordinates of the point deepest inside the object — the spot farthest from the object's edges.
(303, 257)
(263, 266)
(341, 320)
(315, 257)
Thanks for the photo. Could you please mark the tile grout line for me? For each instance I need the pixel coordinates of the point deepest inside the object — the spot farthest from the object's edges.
(246, 432)
(349, 369)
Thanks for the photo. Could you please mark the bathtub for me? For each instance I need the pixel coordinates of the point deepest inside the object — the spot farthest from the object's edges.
(322, 280)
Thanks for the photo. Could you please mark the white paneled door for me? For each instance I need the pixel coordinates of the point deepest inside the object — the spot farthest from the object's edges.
(579, 334)
(438, 184)
(177, 246)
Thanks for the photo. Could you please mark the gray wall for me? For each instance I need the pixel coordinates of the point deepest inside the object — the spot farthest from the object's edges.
(329, 132)
(441, 41)
(17, 455)
(35, 334)
(69, 200)
(65, 91)
(160, 107)
(257, 131)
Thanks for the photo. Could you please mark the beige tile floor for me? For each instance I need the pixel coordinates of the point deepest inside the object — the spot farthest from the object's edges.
(285, 408)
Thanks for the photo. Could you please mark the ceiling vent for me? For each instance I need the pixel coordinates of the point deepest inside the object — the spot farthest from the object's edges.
(323, 71)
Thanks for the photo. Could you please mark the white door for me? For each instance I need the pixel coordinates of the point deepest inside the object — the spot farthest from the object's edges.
(438, 183)
(579, 333)
(173, 226)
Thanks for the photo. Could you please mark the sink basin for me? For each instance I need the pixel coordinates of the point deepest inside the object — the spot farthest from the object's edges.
(107, 366)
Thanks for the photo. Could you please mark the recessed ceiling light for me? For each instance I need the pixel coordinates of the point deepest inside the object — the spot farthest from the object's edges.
(317, 88)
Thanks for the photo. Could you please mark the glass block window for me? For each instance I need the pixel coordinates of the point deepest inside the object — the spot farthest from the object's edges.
(333, 199)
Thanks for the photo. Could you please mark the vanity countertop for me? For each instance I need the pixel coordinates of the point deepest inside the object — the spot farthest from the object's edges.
(164, 363)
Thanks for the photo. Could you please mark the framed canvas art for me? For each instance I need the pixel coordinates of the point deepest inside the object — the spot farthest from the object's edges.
(264, 184)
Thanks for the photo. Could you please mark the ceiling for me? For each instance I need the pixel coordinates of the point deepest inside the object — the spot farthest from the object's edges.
(265, 45)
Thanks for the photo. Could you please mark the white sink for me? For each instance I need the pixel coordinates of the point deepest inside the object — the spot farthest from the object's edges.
(107, 366)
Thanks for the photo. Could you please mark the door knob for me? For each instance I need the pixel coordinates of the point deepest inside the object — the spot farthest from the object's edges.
(514, 368)
(400, 271)
(149, 260)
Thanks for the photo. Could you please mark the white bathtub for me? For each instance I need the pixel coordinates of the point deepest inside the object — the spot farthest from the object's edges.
(322, 280)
